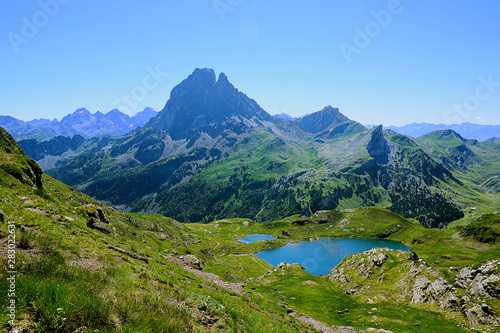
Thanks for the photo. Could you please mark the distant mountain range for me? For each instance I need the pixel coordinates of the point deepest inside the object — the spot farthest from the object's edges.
(213, 153)
(286, 116)
(81, 122)
(467, 130)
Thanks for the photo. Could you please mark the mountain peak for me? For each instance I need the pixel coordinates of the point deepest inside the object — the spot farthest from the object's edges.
(450, 132)
(81, 111)
(114, 111)
(446, 134)
(200, 100)
(202, 75)
(329, 108)
(321, 120)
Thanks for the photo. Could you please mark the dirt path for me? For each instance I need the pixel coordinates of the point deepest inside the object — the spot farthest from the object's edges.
(234, 287)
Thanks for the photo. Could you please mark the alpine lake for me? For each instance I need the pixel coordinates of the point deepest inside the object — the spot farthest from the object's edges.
(319, 256)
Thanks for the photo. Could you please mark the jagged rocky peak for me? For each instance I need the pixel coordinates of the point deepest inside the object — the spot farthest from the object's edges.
(378, 148)
(201, 100)
(322, 120)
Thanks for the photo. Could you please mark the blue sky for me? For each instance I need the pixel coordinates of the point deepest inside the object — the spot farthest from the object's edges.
(380, 62)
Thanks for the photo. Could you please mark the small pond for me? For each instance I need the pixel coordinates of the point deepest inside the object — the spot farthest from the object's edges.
(319, 256)
(255, 237)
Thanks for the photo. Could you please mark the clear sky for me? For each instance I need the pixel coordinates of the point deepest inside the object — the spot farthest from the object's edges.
(380, 62)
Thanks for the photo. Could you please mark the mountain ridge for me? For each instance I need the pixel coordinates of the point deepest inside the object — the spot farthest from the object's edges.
(80, 122)
(466, 129)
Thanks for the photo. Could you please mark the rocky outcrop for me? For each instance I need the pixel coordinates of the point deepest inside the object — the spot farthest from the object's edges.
(481, 315)
(481, 282)
(382, 274)
(193, 261)
(34, 173)
(97, 220)
(378, 147)
(377, 259)
(439, 292)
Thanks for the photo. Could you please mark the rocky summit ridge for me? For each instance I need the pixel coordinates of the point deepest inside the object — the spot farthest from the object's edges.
(201, 100)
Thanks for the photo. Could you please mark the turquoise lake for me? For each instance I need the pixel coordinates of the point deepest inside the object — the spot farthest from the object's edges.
(319, 256)
(255, 237)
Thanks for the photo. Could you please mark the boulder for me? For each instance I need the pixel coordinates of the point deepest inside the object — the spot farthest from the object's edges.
(412, 256)
(94, 223)
(193, 261)
(377, 259)
(344, 223)
(481, 315)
